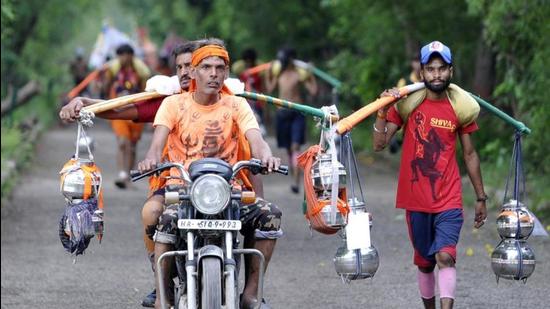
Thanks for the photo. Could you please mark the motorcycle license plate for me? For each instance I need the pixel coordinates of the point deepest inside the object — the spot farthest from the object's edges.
(200, 224)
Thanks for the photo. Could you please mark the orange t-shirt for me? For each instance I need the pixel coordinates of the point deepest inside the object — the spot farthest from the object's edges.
(198, 131)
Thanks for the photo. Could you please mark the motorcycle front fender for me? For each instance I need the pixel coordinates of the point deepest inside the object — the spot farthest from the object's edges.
(210, 250)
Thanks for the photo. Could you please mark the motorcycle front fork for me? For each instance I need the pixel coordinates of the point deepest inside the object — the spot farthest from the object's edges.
(231, 290)
(229, 273)
(230, 267)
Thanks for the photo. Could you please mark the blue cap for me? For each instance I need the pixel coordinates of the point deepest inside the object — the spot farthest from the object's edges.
(435, 47)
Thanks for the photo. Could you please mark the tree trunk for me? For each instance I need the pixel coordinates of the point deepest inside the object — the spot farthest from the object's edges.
(24, 94)
(484, 75)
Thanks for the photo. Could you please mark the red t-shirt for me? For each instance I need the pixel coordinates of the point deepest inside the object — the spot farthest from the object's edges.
(147, 109)
(429, 178)
(253, 82)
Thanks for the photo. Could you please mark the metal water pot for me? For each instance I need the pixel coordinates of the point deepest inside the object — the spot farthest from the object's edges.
(84, 143)
(356, 264)
(507, 221)
(505, 260)
(321, 173)
(326, 213)
(73, 184)
(356, 206)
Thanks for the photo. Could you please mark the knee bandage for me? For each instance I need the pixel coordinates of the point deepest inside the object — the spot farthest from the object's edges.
(426, 284)
(447, 282)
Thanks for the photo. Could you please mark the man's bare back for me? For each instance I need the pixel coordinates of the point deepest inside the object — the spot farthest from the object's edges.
(289, 85)
(291, 124)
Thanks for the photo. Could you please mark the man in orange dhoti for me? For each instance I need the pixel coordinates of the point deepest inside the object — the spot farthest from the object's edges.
(125, 75)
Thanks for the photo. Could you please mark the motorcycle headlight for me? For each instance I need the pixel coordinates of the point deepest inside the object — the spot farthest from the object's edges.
(210, 194)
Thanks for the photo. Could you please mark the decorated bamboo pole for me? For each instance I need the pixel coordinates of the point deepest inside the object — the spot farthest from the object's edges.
(257, 69)
(121, 101)
(319, 73)
(316, 112)
(83, 84)
(347, 123)
(520, 126)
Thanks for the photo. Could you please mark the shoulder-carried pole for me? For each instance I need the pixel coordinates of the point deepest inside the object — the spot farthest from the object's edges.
(520, 126)
(312, 111)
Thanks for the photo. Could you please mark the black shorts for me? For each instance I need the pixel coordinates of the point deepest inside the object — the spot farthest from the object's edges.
(291, 128)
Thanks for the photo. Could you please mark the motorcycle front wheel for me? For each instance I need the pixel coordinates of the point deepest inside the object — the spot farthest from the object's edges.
(211, 283)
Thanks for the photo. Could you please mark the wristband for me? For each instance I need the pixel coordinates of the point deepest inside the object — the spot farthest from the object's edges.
(378, 131)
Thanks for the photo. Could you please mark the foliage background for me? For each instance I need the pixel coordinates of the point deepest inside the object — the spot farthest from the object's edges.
(500, 50)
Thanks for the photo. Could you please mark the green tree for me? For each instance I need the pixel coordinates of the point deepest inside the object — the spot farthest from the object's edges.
(517, 31)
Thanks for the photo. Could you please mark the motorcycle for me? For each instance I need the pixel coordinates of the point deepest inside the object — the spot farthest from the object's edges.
(208, 225)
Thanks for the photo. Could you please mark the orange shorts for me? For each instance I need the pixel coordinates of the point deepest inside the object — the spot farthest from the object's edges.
(127, 129)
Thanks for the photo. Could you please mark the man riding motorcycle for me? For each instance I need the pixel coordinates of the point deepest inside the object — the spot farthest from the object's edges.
(210, 122)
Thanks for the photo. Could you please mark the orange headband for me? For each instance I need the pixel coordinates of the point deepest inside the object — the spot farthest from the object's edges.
(209, 51)
(204, 52)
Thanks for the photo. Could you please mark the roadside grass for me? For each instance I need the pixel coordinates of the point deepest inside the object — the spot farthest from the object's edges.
(20, 131)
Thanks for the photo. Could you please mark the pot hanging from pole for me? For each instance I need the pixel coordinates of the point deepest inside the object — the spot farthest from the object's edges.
(507, 221)
(513, 259)
(74, 183)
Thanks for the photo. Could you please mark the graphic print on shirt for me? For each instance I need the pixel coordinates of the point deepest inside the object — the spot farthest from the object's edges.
(188, 144)
(428, 148)
(213, 140)
(210, 143)
(127, 82)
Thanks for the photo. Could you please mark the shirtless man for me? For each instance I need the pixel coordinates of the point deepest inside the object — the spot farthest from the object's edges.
(291, 125)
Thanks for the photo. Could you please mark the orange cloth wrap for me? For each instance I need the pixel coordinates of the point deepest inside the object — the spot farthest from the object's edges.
(209, 51)
(314, 205)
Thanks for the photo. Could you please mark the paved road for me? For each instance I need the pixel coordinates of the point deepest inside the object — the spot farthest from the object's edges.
(38, 273)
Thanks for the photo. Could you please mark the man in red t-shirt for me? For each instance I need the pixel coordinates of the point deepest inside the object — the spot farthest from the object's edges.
(429, 185)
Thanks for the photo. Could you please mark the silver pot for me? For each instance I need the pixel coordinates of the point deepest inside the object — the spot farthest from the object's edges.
(326, 212)
(505, 260)
(321, 173)
(84, 143)
(73, 184)
(507, 221)
(356, 206)
(356, 264)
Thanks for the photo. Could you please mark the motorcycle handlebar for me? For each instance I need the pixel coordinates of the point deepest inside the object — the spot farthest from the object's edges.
(283, 169)
(137, 175)
(255, 166)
